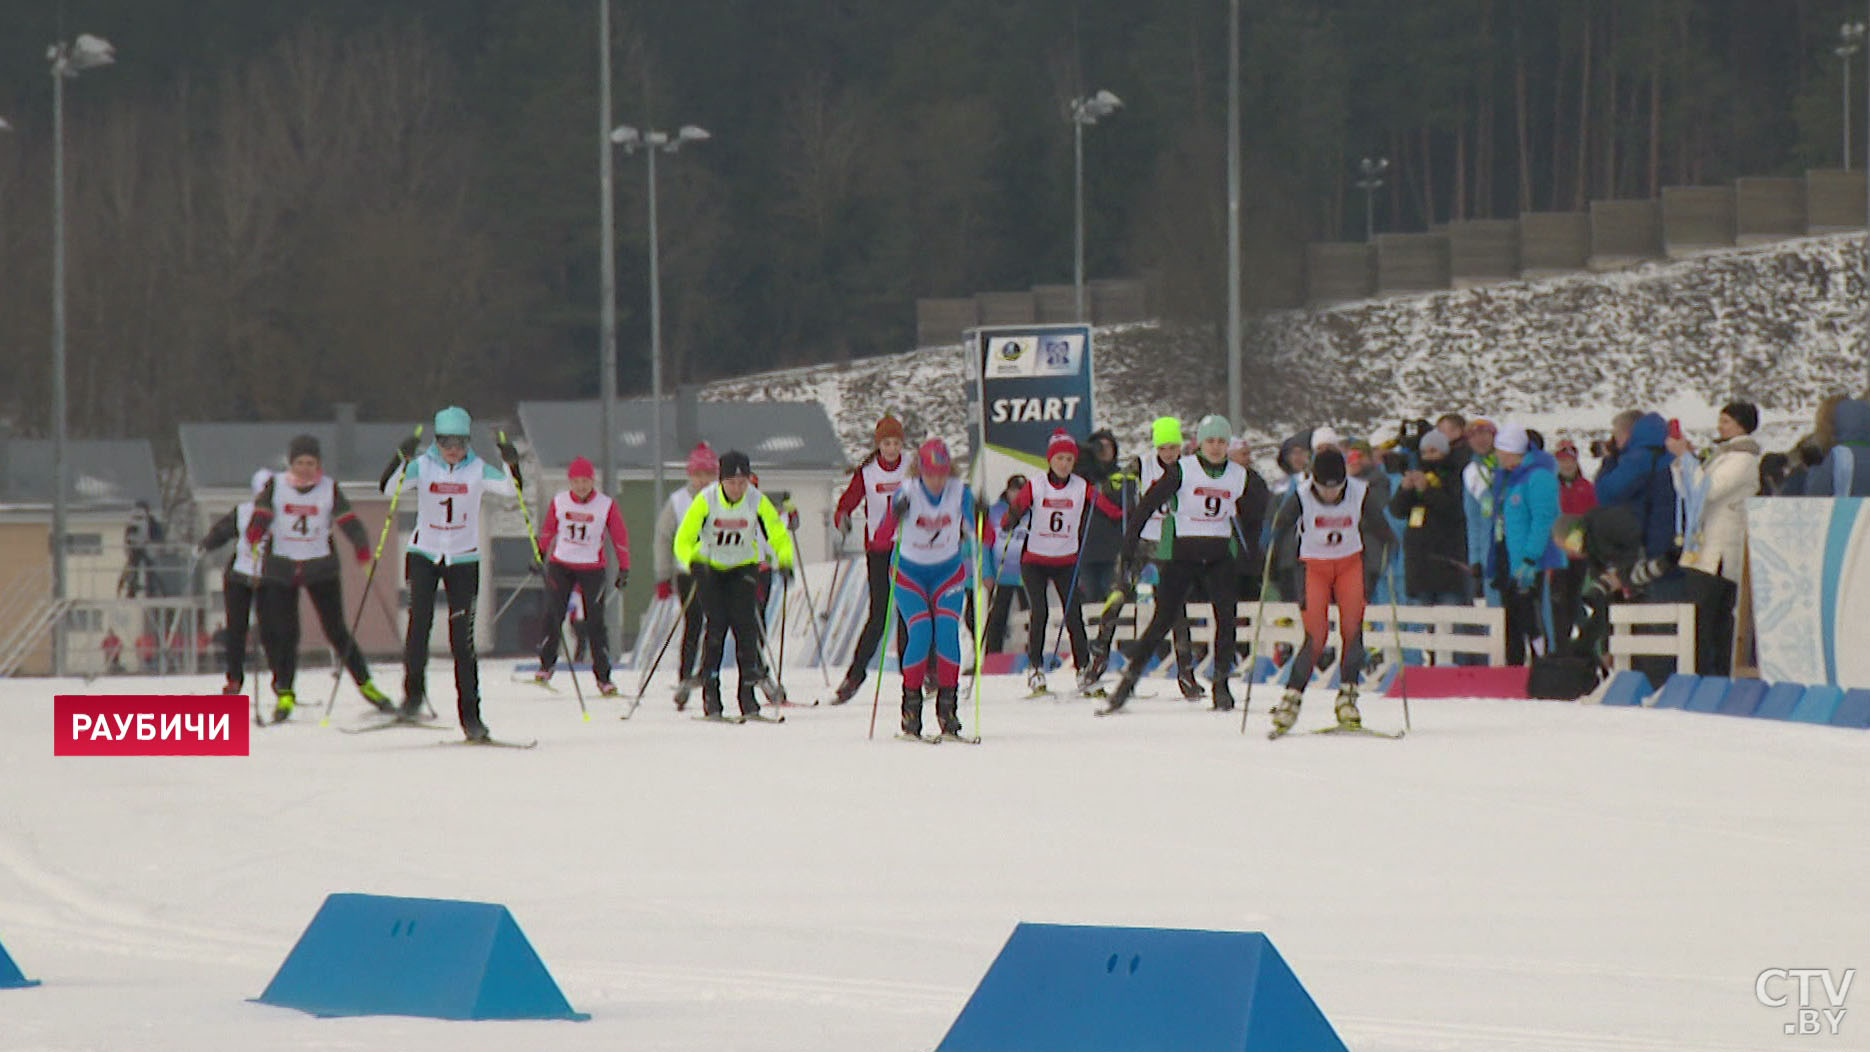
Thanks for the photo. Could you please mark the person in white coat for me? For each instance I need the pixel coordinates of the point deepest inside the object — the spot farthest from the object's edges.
(1712, 494)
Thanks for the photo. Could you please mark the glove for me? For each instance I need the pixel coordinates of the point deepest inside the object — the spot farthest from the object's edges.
(623, 578)
(508, 453)
(363, 556)
(785, 574)
(1525, 575)
(535, 568)
(407, 447)
(840, 522)
(665, 589)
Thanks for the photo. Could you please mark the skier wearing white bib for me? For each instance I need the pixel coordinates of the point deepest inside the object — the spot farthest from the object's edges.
(571, 547)
(444, 552)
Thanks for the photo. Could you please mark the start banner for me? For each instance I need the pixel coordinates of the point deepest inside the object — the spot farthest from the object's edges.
(1031, 380)
(1809, 561)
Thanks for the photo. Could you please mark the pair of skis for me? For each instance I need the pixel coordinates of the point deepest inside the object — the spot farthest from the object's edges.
(740, 717)
(405, 723)
(937, 739)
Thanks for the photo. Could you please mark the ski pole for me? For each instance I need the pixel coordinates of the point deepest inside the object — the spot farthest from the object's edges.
(1259, 622)
(1402, 664)
(980, 602)
(1071, 591)
(519, 494)
(376, 557)
(818, 632)
(889, 623)
(508, 605)
(674, 627)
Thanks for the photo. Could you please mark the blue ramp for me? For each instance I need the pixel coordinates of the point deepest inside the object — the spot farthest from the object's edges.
(1818, 704)
(1708, 694)
(1063, 988)
(1779, 701)
(1676, 692)
(1853, 709)
(1627, 688)
(377, 955)
(1743, 698)
(11, 978)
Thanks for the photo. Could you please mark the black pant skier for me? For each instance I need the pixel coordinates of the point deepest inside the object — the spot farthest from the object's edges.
(279, 629)
(239, 595)
(730, 600)
(462, 580)
(1038, 577)
(1184, 646)
(559, 581)
(1179, 578)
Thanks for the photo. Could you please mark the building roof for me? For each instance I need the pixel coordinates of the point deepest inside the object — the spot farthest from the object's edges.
(98, 473)
(772, 434)
(225, 455)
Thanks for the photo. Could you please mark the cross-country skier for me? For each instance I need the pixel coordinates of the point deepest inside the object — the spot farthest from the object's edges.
(238, 581)
(571, 547)
(1340, 523)
(295, 516)
(444, 551)
(872, 485)
(933, 513)
(718, 543)
(1058, 503)
(1209, 508)
(673, 580)
(1166, 434)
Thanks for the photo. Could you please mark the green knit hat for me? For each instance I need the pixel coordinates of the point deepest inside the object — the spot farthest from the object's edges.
(1167, 431)
(1214, 425)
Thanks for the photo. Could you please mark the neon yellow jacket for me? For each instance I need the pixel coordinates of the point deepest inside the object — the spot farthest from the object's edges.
(723, 534)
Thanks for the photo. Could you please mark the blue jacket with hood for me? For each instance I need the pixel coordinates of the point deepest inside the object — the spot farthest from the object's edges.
(1849, 459)
(1640, 482)
(1526, 501)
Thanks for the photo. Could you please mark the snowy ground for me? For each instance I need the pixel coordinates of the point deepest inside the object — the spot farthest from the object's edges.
(1515, 877)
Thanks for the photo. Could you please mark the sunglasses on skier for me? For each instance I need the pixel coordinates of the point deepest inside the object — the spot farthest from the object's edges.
(451, 441)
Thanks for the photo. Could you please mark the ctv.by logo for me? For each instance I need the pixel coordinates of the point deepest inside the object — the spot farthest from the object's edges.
(1812, 1019)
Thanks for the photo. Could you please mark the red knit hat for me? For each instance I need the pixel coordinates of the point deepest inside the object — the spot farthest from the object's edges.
(889, 427)
(1061, 442)
(581, 468)
(702, 460)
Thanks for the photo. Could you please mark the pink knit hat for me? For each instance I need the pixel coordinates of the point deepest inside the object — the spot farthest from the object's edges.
(702, 460)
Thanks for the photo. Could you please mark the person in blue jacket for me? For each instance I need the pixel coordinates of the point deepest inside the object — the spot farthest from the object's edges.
(1846, 468)
(1640, 482)
(1525, 510)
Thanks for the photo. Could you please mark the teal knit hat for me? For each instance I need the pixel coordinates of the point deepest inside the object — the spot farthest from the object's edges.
(1214, 425)
(452, 421)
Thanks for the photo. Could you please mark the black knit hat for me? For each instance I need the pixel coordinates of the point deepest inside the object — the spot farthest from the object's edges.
(302, 446)
(735, 465)
(1746, 414)
(1328, 467)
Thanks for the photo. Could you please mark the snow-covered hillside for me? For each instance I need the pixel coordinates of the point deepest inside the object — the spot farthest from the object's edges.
(1513, 877)
(1781, 325)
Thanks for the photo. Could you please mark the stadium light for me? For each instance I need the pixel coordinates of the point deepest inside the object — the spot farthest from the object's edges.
(1233, 216)
(652, 142)
(1850, 41)
(1084, 113)
(67, 61)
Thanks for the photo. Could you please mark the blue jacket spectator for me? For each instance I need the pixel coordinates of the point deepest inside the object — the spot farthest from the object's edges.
(1640, 483)
(1527, 500)
(1846, 468)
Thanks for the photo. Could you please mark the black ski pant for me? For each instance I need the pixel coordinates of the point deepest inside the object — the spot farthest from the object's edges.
(1038, 576)
(1714, 597)
(1177, 579)
(238, 593)
(1525, 616)
(559, 581)
(877, 566)
(730, 600)
(694, 618)
(462, 580)
(1184, 646)
(279, 628)
(1004, 596)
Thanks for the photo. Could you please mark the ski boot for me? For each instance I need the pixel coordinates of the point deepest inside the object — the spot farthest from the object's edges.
(1094, 671)
(1348, 716)
(847, 689)
(711, 698)
(542, 678)
(1286, 713)
(232, 686)
(775, 694)
(1120, 694)
(282, 708)
(1035, 683)
(912, 711)
(376, 697)
(411, 708)
(749, 702)
(1223, 697)
(475, 731)
(683, 690)
(948, 713)
(1190, 686)
(605, 688)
